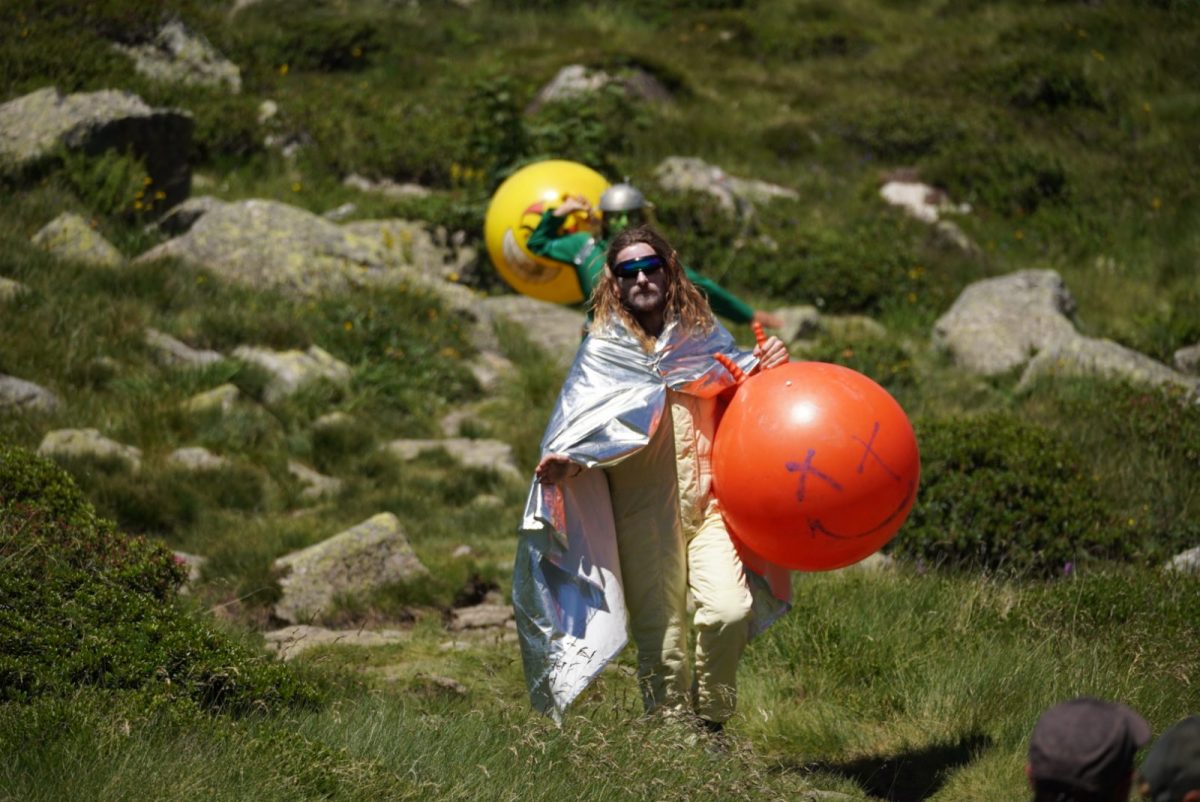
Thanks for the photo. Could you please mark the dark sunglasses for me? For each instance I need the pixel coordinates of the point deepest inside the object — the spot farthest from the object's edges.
(631, 267)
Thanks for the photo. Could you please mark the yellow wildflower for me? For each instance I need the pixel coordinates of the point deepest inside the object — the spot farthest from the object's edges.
(1156, 203)
(295, 186)
(283, 69)
(348, 326)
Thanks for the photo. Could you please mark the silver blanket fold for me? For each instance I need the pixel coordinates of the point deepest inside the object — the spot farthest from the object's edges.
(570, 609)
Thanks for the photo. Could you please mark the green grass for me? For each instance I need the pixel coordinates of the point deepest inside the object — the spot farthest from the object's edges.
(891, 686)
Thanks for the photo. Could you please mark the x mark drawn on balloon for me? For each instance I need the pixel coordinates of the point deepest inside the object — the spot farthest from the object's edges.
(804, 469)
(870, 452)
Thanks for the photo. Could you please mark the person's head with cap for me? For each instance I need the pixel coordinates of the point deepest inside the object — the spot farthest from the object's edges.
(622, 206)
(1082, 751)
(1171, 770)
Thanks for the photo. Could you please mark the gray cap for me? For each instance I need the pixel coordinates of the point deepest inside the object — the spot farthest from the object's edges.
(623, 197)
(1172, 766)
(1086, 743)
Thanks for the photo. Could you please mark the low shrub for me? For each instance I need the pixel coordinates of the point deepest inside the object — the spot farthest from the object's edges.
(882, 360)
(88, 606)
(1000, 493)
(1007, 177)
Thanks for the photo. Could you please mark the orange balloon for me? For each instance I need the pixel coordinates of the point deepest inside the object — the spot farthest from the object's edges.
(815, 466)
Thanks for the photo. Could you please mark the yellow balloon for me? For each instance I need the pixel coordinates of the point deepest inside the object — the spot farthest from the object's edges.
(514, 212)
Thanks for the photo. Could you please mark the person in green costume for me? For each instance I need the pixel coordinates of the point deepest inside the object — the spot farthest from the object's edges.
(622, 206)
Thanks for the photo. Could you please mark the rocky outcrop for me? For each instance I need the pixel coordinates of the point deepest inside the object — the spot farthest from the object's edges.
(575, 81)
(11, 290)
(929, 205)
(220, 398)
(292, 370)
(70, 237)
(1186, 562)
(557, 329)
(34, 126)
(266, 244)
(385, 187)
(292, 641)
(175, 354)
(492, 454)
(25, 396)
(182, 217)
(1000, 324)
(90, 444)
(196, 458)
(997, 324)
(1186, 359)
(735, 195)
(316, 485)
(178, 54)
(1088, 356)
(365, 558)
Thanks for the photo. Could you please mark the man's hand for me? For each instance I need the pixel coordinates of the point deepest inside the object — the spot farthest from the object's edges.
(555, 467)
(768, 319)
(573, 203)
(771, 353)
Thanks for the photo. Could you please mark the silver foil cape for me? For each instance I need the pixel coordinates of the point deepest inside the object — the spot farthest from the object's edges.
(567, 595)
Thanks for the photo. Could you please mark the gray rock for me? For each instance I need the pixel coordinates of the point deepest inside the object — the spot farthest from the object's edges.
(89, 443)
(69, 236)
(575, 81)
(557, 329)
(289, 642)
(492, 454)
(24, 396)
(316, 485)
(219, 398)
(1187, 360)
(178, 54)
(489, 367)
(735, 195)
(11, 290)
(372, 555)
(799, 323)
(1087, 356)
(182, 217)
(173, 353)
(340, 213)
(482, 616)
(34, 126)
(292, 370)
(196, 458)
(386, 187)
(997, 324)
(266, 244)
(925, 203)
(1186, 562)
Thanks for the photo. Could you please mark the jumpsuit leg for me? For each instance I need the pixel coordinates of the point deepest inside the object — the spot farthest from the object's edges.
(653, 559)
(722, 617)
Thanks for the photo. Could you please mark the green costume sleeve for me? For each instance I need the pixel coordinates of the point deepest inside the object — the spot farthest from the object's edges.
(546, 241)
(723, 302)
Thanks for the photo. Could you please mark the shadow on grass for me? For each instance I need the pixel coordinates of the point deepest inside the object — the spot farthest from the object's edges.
(910, 776)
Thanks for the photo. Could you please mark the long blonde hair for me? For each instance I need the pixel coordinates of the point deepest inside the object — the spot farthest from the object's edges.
(684, 301)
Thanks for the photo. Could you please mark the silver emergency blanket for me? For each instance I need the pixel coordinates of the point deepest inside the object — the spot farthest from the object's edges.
(567, 595)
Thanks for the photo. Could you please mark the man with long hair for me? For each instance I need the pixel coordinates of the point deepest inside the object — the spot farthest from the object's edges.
(621, 515)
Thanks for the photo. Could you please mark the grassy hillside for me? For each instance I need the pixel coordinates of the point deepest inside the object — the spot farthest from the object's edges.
(1071, 130)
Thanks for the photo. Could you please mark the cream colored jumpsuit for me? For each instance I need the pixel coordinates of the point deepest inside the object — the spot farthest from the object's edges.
(671, 538)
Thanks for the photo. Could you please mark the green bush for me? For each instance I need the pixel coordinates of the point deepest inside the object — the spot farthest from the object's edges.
(882, 360)
(88, 606)
(895, 129)
(1001, 493)
(1007, 177)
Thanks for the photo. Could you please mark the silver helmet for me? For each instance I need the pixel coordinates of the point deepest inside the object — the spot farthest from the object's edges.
(623, 197)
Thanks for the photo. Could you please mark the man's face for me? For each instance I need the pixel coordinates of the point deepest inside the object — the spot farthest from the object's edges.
(643, 292)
